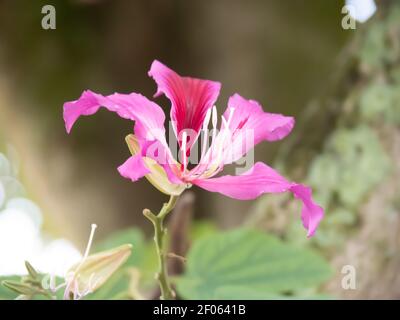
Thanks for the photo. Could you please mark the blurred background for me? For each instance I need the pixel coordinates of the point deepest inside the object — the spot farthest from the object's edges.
(294, 57)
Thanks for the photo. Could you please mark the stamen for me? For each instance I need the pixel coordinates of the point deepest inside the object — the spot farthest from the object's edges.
(67, 291)
(204, 145)
(219, 145)
(214, 116)
(231, 111)
(52, 283)
(184, 138)
(205, 134)
(77, 294)
(214, 122)
(71, 279)
(93, 229)
(226, 124)
(207, 119)
(217, 142)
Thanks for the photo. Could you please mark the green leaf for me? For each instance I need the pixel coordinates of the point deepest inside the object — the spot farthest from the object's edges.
(248, 264)
(201, 228)
(131, 236)
(31, 270)
(19, 287)
(6, 293)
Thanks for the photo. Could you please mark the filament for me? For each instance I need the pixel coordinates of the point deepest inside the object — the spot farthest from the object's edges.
(184, 138)
(205, 134)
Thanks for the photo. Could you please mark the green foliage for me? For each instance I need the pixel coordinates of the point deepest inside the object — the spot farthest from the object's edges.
(381, 101)
(116, 288)
(380, 42)
(260, 266)
(96, 271)
(119, 282)
(353, 163)
(374, 50)
(380, 98)
(238, 264)
(5, 293)
(354, 160)
(340, 216)
(132, 236)
(201, 229)
(351, 166)
(248, 264)
(29, 287)
(143, 258)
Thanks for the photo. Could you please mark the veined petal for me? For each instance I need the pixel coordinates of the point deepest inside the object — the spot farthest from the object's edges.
(311, 213)
(149, 116)
(134, 168)
(250, 125)
(190, 98)
(250, 185)
(249, 114)
(262, 179)
(149, 127)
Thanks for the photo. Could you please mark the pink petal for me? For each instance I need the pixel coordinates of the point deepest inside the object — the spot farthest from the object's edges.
(162, 155)
(311, 213)
(149, 126)
(149, 116)
(250, 121)
(262, 179)
(133, 168)
(158, 175)
(250, 185)
(190, 98)
(249, 114)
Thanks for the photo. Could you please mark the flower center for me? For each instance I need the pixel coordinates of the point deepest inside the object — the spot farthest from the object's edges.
(212, 154)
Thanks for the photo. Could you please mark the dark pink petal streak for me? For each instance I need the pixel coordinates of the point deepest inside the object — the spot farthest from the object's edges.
(190, 98)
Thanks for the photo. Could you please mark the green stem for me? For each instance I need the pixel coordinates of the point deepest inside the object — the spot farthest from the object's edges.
(159, 236)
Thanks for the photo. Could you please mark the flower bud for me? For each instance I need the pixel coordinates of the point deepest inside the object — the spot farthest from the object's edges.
(92, 272)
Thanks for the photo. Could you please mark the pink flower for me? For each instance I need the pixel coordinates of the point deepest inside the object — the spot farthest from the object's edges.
(244, 124)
